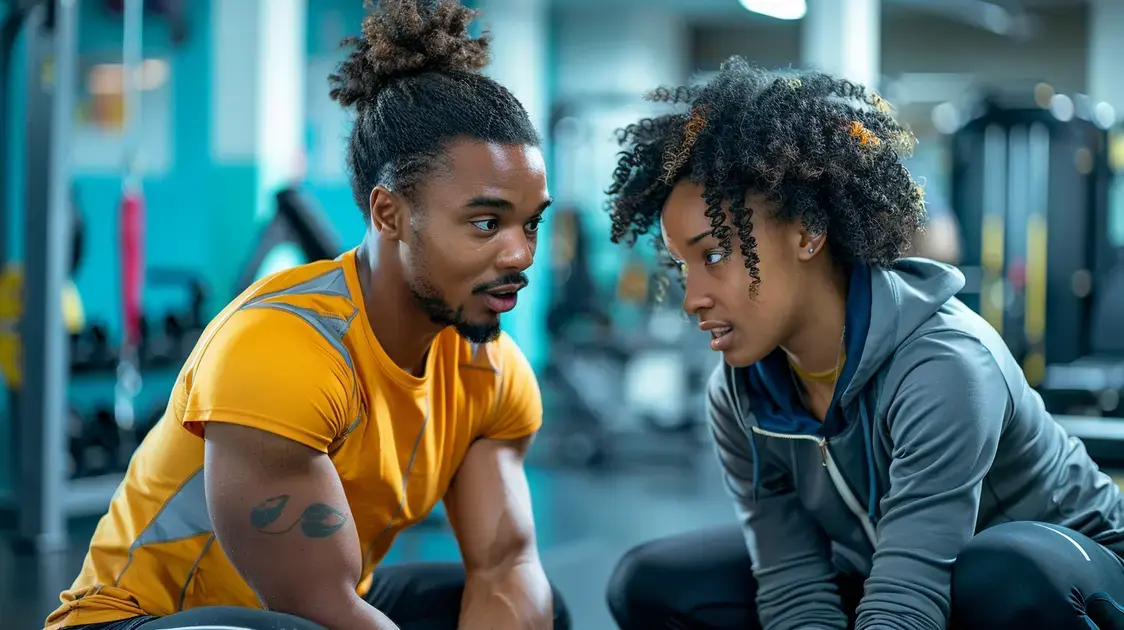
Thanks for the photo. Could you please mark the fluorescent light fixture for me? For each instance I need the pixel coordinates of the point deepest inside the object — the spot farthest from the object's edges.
(779, 9)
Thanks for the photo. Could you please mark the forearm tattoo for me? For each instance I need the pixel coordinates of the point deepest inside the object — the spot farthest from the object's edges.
(318, 520)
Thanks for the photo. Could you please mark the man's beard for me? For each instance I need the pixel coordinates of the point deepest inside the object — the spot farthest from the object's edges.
(442, 313)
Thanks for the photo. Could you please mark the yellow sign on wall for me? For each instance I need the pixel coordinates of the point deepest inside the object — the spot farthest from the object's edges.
(11, 309)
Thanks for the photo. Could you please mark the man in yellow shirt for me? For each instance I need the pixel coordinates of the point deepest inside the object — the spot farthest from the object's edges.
(332, 405)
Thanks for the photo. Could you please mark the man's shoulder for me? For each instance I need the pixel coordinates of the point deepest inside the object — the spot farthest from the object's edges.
(322, 284)
(298, 317)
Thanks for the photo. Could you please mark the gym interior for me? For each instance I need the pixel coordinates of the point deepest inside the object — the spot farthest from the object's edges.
(160, 156)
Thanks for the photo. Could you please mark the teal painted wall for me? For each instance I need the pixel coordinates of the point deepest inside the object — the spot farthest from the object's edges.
(178, 200)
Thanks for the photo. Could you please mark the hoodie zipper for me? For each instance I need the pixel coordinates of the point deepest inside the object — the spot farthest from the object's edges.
(836, 478)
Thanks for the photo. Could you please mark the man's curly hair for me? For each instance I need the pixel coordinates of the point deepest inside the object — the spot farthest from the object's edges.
(826, 151)
(414, 77)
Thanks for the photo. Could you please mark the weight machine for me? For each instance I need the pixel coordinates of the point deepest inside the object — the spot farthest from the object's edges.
(42, 496)
(1030, 182)
(296, 222)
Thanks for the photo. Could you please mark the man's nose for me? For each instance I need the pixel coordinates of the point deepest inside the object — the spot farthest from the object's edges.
(518, 252)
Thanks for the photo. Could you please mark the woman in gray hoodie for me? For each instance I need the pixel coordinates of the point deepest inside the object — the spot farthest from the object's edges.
(890, 466)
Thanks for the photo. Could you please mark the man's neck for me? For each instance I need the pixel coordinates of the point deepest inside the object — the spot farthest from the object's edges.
(399, 325)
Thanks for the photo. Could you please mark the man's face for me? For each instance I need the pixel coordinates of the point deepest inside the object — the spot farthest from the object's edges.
(472, 233)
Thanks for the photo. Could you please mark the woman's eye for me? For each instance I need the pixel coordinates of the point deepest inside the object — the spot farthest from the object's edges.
(487, 225)
(713, 258)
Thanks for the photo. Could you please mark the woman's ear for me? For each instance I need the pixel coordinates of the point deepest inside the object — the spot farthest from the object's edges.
(810, 244)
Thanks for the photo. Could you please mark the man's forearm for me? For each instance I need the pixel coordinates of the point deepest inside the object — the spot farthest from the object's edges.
(517, 597)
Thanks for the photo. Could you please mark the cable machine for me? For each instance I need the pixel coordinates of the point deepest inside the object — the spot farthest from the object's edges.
(39, 429)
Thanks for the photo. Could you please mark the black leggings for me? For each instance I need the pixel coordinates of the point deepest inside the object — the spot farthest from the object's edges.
(1021, 575)
(422, 596)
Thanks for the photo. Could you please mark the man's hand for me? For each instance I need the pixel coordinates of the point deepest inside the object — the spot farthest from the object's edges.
(489, 507)
(280, 514)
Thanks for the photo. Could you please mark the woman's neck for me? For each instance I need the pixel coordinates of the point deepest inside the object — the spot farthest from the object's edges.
(816, 343)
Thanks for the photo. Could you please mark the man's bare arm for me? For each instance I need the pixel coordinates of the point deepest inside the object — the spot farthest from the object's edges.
(280, 514)
(489, 507)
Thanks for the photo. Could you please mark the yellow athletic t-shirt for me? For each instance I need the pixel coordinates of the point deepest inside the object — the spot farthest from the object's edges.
(295, 355)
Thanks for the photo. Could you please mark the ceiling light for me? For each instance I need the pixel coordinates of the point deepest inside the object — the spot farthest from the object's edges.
(779, 9)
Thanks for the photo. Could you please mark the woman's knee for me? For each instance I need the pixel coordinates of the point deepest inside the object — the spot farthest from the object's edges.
(636, 588)
(561, 612)
(699, 579)
(1009, 576)
(625, 590)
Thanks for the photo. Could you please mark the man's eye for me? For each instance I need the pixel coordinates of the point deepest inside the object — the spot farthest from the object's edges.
(487, 225)
(713, 258)
(533, 225)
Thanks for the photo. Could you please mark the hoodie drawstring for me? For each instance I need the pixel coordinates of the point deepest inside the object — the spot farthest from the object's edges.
(868, 439)
(756, 466)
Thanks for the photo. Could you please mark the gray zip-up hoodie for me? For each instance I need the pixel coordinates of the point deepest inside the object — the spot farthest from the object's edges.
(933, 436)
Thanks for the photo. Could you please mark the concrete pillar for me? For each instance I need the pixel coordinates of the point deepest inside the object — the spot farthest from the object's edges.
(843, 37)
(605, 63)
(519, 62)
(258, 67)
(1106, 46)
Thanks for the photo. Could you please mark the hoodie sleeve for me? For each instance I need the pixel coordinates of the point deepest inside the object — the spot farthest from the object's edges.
(944, 422)
(791, 554)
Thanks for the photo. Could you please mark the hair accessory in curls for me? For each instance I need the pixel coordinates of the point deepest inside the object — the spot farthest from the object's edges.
(865, 136)
(880, 103)
(676, 157)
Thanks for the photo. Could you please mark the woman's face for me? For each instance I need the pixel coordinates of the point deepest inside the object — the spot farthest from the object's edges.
(745, 327)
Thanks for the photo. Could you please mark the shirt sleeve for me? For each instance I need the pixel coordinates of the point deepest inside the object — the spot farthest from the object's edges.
(271, 370)
(518, 410)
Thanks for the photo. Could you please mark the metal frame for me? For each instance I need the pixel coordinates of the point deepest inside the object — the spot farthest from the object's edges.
(39, 429)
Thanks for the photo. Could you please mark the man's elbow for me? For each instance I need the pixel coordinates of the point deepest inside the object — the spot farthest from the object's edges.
(512, 552)
(327, 607)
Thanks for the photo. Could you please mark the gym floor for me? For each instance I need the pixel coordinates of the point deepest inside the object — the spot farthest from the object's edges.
(586, 521)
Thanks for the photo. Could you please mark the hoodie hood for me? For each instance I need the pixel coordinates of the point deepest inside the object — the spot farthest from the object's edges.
(902, 298)
(885, 305)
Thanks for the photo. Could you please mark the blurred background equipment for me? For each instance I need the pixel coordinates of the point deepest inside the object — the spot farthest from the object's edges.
(298, 234)
(131, 218)
(152, 168)
(1031, 182)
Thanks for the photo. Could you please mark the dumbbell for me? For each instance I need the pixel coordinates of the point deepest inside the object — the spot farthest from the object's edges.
(100, 444)
(90, 350)
(76, 427)
(159, 350)
(86, 347)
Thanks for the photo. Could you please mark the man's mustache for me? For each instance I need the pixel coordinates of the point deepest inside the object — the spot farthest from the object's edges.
(518, 279)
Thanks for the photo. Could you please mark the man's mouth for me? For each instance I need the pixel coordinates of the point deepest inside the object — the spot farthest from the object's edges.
(501, 301)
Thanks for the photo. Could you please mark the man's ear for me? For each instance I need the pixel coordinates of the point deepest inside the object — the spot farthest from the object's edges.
(388, 213)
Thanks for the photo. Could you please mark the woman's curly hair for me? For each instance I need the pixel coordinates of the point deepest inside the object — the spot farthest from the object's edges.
(826, 151)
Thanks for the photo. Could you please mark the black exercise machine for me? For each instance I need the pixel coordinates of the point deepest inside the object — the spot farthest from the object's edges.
(1030, 188)
(296, 222)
